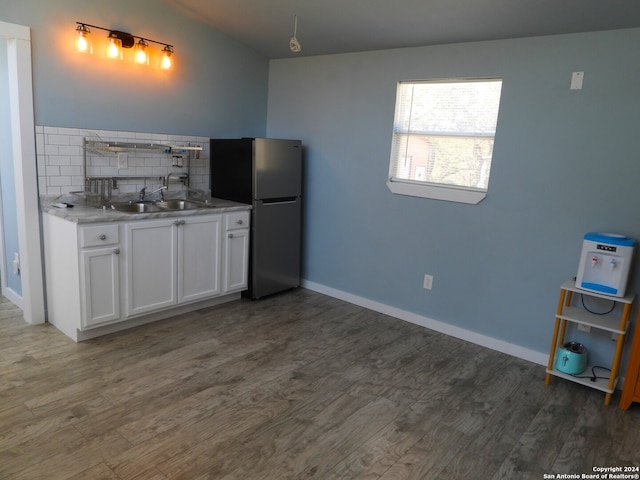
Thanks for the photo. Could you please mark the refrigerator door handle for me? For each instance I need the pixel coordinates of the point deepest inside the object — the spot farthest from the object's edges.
(273, 201)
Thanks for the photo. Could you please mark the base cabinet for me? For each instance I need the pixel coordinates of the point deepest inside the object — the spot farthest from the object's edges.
(172, 261)
(102, 274)
(236, 252)
(199, 255)
(151, 273)
(100, 283)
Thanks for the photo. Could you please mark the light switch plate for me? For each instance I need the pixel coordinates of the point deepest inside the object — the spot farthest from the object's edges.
(576, 80)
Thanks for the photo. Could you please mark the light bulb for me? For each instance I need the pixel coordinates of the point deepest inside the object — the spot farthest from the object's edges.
(166, 63)
(140, 55)
(83, 40)
(114, 47)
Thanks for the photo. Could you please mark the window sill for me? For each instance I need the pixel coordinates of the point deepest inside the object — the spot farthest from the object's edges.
(449, 194)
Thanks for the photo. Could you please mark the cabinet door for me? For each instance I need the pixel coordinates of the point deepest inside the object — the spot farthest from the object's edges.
(151, 265)
(236, 259)
(199, 257)
(100, 284)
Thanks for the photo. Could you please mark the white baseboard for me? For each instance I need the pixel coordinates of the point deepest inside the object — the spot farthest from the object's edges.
(12, 296)
(457, 332)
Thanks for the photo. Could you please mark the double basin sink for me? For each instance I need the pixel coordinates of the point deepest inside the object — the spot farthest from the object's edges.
(146, 206)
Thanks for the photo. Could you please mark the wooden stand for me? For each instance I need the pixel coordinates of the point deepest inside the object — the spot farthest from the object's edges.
(631, 389)
(611, 323)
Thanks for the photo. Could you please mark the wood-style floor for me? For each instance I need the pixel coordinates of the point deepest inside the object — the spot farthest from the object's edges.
(294, 386)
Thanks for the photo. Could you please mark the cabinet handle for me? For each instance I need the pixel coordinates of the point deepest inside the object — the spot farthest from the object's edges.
(231, 235)
(182, 222)
(240, 222)
(179, 222)
(117, 251)
(102, 236)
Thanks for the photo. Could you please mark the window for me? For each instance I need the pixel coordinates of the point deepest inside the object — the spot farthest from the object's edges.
(443, 138)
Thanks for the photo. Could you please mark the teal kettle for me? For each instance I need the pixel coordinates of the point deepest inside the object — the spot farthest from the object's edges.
(571, 358)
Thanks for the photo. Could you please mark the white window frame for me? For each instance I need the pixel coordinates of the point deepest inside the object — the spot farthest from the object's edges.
(432, 190)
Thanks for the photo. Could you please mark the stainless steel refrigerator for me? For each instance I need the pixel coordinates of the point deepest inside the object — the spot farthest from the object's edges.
(266, 173)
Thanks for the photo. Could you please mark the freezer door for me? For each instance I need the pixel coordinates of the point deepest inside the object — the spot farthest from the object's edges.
(275, 247)
(278, 168)
(232, 169)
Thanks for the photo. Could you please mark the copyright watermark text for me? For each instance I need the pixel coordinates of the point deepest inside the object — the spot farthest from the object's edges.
(599, 473)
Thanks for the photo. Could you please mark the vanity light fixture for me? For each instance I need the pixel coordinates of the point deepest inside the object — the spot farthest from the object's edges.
(141, 54)
(114, 46)
(83, 40)
(167, 62)
(117, 41)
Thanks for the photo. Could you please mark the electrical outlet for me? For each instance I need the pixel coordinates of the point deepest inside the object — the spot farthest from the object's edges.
(16, 263)
(123, 160)
(428, 282)
(584, 328)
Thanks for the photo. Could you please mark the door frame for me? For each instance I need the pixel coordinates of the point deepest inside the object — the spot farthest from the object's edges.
(18, 39)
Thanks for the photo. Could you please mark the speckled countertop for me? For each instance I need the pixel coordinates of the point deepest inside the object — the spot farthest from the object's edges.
(81, 212)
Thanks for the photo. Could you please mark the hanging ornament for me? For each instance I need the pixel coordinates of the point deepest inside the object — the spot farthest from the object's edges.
(294, 44)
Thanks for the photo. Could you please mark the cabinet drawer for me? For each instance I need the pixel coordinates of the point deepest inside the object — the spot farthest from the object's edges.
(99, 235)
(236, 220)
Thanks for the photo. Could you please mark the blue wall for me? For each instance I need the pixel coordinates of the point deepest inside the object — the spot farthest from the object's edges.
(565, 163)
(7, 183)
(218, 87)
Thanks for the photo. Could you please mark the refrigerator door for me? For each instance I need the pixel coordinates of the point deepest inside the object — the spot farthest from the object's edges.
(275, 246)
(277, 168)
(232, 169)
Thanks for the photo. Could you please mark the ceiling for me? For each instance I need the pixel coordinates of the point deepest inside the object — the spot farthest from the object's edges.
(340, 26)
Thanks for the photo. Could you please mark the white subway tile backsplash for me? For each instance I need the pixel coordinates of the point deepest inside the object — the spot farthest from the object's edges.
(58, 160)
(70, 170)
(52, 171)
(41, 164)
(59, 181)
(125, 135)
(50, 149)
(58, 139)
(61, 160)
(67, 149)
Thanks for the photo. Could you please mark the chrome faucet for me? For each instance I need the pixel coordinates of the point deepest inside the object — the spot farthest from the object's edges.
(161, 190)
(182, 176)
(143, 192)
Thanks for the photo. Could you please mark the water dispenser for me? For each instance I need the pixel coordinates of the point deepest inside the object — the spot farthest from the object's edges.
(605, 262)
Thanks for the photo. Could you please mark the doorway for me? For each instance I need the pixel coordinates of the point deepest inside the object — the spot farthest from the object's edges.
(23, 199)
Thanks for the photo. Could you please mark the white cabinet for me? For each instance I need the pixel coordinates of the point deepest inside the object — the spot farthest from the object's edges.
(172, 261)
(199, 258)
(83, 274)
(100, 283)
(151, 265)
(100, 275)
(236, 251)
